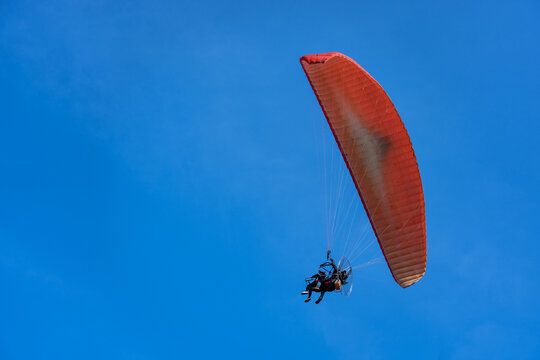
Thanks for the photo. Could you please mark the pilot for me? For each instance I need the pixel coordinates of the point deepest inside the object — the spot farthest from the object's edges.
(325, 283)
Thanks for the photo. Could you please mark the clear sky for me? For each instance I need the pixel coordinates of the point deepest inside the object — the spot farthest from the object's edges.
(159, 196)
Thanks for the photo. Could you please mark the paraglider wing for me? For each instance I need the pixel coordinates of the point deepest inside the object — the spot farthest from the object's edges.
(379, 155)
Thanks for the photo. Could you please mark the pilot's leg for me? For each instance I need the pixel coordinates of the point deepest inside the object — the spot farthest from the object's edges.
(320, 297)
(309, 295)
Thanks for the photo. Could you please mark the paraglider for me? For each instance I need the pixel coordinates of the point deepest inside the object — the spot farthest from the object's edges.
(378, 153)
(329, 278)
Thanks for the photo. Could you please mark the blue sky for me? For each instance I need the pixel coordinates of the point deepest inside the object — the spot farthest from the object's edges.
(159, 185)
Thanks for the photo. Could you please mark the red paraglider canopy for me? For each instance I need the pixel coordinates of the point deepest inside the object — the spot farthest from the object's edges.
(379, 155)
